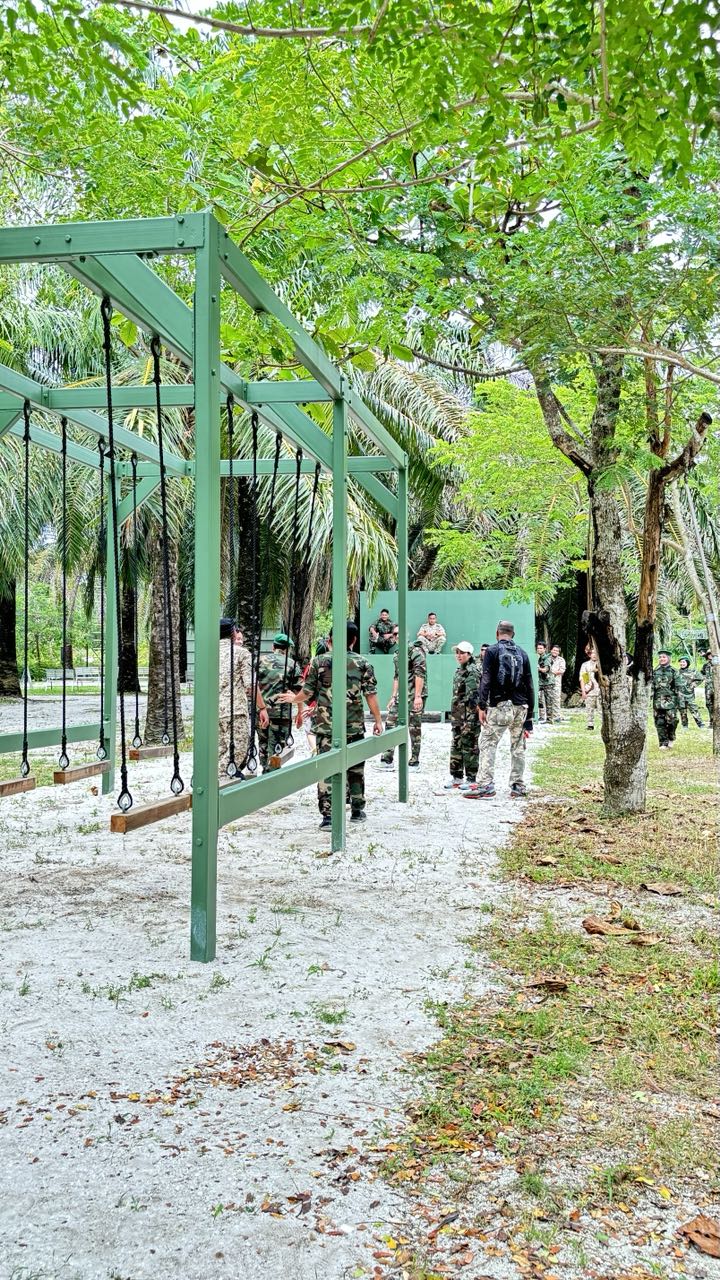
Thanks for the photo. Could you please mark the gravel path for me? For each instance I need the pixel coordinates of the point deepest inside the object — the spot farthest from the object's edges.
(162, 1118)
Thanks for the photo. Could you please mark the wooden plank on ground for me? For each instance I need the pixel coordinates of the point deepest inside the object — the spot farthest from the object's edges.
(77, 772)
(150, 753)
(143, 814)
(14, 786)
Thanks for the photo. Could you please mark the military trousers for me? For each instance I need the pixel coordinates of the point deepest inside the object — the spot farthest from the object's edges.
(544, 703)
(241, 738)
(688, 703)
(414, 726)
(355, 779)
(592, 702)
(504, 717)
(464, 748)
(275, 736)
(666, 724)
(555, 698)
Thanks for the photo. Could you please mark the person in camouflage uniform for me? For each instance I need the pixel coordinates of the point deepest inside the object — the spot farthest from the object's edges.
(382, 633)
(666, 700)
(230, 764)
(417, 694)
(278, 672)
(707, 675)
(464, 746)
(361, 683)
(687, 679)
(544, 663)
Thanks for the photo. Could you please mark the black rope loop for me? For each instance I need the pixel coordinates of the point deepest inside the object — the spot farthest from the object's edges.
(101, 752)
(251, 758)
(231, 769)
(124, 799)
(137, 736)
(25, 764)
(177, 786)
(64, 759)
(289, 740)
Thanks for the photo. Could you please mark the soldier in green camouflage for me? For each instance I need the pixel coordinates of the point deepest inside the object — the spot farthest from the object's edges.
(381, 633)
(544, 663)
(666, 697)
(417, 694)
(277, 673)
(361, 683)
(687, 679)
(464, 747)
(707, 674)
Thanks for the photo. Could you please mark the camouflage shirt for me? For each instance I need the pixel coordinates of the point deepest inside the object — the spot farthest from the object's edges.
(273, 680)
(707, 672)
(361, 681)
(466, 688)
(687, 680)
(384, 630)
(417, 668)
(242, 678)
(544, 673)
(666, 689)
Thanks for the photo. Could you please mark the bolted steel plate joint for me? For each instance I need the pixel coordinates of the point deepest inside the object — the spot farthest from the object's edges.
(36, 240)
(200, 791)
(181, 242)
(181, 218)
(199, 841)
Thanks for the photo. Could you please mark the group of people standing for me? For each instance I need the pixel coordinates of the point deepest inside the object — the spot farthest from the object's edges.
(674, 696)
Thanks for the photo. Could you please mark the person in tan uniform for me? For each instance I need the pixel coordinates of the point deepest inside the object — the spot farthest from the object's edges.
(235, 727)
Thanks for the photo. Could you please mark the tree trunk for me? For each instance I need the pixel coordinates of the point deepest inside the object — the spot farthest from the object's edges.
(128, 668)
(159, 705)
(9, 679)
(707, 604)
(624, 701)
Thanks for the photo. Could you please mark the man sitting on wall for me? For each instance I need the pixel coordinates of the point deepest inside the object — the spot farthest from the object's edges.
(433, 633)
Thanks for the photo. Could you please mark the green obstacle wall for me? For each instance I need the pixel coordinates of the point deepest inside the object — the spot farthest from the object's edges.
(465, 615)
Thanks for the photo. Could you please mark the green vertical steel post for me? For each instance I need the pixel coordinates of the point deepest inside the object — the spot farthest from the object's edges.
(339, 620)
(206, 362)
(111, 655)
(401, 533)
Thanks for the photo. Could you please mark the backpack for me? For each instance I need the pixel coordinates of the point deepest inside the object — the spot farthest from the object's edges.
(510, 666)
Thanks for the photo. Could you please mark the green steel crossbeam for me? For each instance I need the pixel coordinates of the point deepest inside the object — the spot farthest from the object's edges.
(240, 799)
(52, 442)
(8, 418)
(294, 391)
(38, 738)
(171, 396)
(58, 243)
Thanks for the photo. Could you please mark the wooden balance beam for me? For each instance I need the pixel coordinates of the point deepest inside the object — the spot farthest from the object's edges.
(76, 772)
(14, 786)
(150, 753)
(144, 814)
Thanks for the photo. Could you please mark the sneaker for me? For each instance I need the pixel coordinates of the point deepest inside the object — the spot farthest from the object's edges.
(452, 784)
(468, 785)
(388, 766)
(664, 746)
(413, 764)
(360, 816)
(484, 792)
(518, 789)
(325, 821)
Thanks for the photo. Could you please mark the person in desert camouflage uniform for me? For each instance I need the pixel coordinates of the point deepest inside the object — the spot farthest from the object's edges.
(417, 694)
(687, 679)
(666, 700)
(278, 672)
(464, 746)
(361, 683)
(237, 729)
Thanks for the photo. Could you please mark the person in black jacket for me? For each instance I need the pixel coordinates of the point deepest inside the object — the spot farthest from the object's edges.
(506, 701)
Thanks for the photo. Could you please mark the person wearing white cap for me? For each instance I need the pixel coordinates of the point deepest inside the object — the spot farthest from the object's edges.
(464, 751)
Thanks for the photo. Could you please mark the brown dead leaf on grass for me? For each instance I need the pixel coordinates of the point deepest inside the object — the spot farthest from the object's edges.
(704, 1234)
(548, 984)
(662, 887)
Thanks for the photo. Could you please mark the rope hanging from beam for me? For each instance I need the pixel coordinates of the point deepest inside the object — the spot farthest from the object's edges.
(101, 752)
(63, 758)
(137, 736)
(231, 769)
(25, 765)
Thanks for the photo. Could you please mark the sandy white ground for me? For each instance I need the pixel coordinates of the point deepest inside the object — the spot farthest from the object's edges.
(159, 1116)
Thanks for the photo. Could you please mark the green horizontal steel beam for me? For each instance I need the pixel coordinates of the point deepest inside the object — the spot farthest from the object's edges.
(37, 738)
(60, 399)
(242, 798)
(48, 440)
(144, 490)
(18, 384)
(294, 391)
(59, 243)
(8, 418)
(379, 434)
(381, 494)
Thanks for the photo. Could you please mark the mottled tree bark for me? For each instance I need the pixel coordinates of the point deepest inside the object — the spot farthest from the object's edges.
(9, 679)
(159, 705)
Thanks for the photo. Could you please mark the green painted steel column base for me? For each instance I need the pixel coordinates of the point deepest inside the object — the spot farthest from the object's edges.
(338, 831)
(403, 772)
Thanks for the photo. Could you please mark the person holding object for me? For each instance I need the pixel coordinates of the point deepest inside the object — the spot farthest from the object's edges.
(433, 633)
(361, 683)
(506, 701)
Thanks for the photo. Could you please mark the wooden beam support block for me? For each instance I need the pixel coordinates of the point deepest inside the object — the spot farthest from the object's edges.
(14, 786)
(144, 814)
(77, 772)
(150, 753)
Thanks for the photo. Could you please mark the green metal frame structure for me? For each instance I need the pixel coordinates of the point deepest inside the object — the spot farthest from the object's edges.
(113, 259)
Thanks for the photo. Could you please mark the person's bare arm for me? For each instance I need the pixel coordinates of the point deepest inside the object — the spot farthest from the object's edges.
(375, 712)
(417, 703)
(394, 693)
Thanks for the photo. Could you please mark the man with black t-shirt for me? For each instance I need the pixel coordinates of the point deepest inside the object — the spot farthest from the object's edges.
(506, 701)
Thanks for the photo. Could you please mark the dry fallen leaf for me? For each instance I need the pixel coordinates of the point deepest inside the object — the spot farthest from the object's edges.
(547, 861)
(663, 887)
(704, 1233)
(644, 939)
(342, 1046)
(592, 924)
(548, 984)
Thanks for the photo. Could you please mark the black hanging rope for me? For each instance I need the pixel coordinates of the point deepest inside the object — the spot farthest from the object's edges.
(64, 759)
(124, 799)
(304, 574)
(177, 786)
(231, 768)
(291, 585)
(250, 762)
(25, 765)
(137, 736)
(101, 752)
